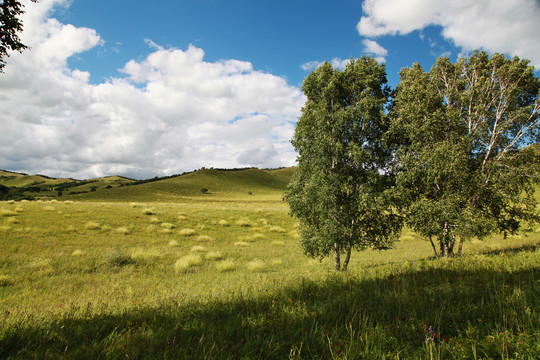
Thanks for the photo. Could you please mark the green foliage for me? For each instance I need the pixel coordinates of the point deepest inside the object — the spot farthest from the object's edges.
(462, 131)
(338, 190)
(11, 25)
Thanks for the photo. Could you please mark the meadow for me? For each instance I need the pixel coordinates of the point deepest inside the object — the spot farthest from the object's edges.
(111, 274)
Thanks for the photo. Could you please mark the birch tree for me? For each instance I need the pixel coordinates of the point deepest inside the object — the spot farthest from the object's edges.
(338, 191)
(467, 132)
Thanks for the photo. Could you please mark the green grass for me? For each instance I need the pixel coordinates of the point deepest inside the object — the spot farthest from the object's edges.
(70, 289)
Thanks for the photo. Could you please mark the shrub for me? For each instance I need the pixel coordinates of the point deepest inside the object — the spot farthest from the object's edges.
(187, 232)
(6, 280)
(225, 265)
(214, 255)
(187, 262)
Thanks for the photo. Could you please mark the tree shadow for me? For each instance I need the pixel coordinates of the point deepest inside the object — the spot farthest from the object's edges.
(365, 318)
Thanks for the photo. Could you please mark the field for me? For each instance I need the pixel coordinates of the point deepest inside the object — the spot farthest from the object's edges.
(163, 270)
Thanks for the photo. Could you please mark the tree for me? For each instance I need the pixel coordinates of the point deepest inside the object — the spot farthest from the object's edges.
(338, 189)
(466, 167)
(10, 25)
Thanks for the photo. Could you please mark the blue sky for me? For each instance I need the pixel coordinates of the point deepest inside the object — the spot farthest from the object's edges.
(145, 89)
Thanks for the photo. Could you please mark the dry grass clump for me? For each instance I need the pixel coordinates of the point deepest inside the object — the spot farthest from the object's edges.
(258, 236)
(182, 217)
(48, 208)
(148, 211)
(165, 231)
(169, 226)
(263, 221)
(243, 223)
(187, 263)
(255, 265)
(173, 243)
(204, 238)
(134, 205)
(277, 229)
(187, 232)
(6, 280)
(122, 230)
(77, 252)
(277, 243)
(225, 265)
(92, 225)
(5, 228)
(5, 212)
(141, 254)
(223, 222)
(197, 248)
(150, 229)
(18, 209)
(117, 258)
(69, 202)
(12, 220)
(154, 219)
(276, 262)
(214, 255)
(241, 243)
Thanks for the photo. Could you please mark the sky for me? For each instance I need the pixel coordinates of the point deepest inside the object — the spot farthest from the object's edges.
(143, 89)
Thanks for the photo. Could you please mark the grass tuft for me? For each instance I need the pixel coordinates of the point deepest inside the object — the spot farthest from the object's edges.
(122, 230)
(214, 255)
(77, 252)
(255, 265)
(173, 243)
(148, 211)
(225, 265)
(243, 223)
(278, 243)
(6, 280)
(169, 226)
(92, 225)
(187, 232)
(141, 254)
(197, 248)
(117, 258)
(277, 229)
(204, 238)
(187, 263)
(241, 243)
(223, 222)
(5, 212)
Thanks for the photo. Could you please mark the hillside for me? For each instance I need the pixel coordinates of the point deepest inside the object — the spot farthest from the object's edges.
(248, 184)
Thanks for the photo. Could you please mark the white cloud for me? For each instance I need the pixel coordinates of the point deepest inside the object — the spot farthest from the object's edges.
(510, 27)
(170, 112)
(371, 47)
(336, 62)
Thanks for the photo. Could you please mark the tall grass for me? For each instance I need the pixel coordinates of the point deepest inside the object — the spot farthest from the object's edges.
(99, 294)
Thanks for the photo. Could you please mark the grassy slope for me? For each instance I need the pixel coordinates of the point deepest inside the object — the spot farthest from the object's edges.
(264, 185)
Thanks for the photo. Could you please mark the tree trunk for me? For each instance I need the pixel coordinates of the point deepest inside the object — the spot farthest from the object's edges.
(347, 258)
(338, 259)
(434, 248)
(460, 247)
(451, 246)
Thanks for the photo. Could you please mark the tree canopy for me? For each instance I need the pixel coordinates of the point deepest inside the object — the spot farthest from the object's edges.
(10, 26)
(465, 165)
(338, 190)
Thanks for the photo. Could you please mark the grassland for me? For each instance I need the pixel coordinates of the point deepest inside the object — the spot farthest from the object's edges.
(161, 270)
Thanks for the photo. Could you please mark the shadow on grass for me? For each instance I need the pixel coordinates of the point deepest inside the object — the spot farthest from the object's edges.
(470, 308)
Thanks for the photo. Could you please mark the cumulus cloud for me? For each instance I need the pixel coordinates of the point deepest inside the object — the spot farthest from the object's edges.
(510, 27)
(167, 113)
(371, 47)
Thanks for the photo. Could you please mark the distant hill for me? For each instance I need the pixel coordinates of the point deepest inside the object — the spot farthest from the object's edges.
(206, 184)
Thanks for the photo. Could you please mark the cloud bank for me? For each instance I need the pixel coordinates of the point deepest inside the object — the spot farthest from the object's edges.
(167, 113)
(509, 27)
